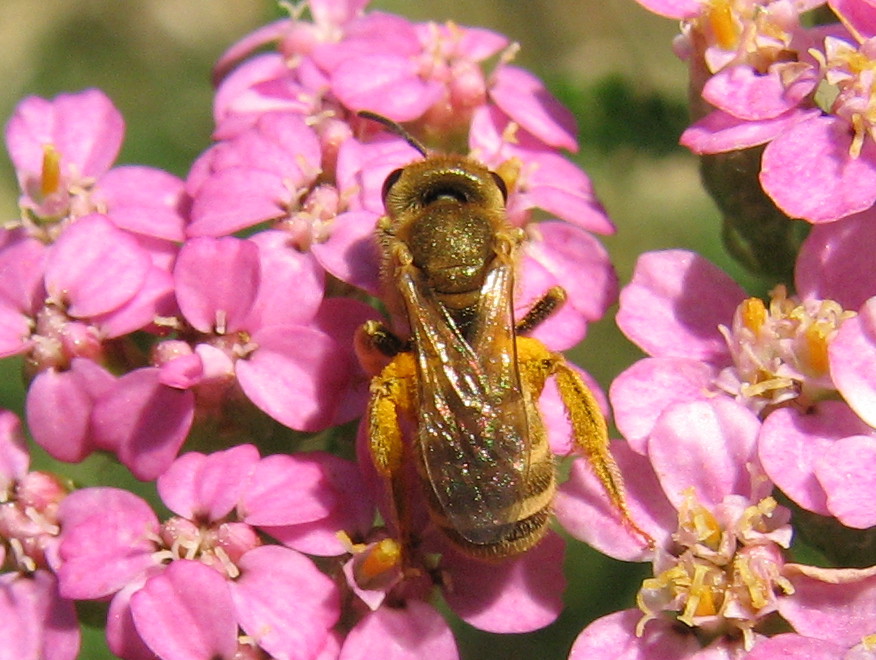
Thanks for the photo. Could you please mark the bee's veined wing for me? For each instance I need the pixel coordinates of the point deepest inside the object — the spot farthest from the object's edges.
(473, 425)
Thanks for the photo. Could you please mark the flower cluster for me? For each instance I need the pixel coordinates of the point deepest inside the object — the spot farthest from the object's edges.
(177, 324)
(207, 333)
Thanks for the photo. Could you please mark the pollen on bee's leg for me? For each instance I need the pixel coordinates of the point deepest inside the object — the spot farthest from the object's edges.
(590, 435)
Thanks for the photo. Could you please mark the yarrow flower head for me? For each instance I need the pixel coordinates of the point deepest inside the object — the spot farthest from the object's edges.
(207, 567)
(719, 566)
(293, 152)
(35, 621)
(708, 340)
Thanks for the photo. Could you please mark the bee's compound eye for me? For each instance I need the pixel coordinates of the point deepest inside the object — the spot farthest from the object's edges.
(500, 184)
(391, 180)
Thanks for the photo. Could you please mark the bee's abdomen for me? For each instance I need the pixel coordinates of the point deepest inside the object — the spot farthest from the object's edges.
(531, 517)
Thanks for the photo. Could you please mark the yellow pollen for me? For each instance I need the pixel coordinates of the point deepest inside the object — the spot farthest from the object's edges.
(720, 18)
(50, 177)
(383, 557)
(509, 171)
(758, 589)
(817, 336)
(701, 600)
(754, 314)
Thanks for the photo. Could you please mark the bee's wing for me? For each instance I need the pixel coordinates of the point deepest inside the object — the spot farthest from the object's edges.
(473, 426)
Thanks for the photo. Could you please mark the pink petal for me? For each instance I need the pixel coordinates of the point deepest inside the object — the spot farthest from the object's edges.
(249, 43)
(297, 375)
(790, 646)
(143, 200)
(860, 15)
(836, 605)
(35, 622)
(15, 332)
(207, 487)
(710, 446)
(259, 85)
(562, 189)
(22, 264)
(584, 510)
(410, 632)
(566, 327)
(94, 267)
(14, 456)
(515, 595)
(144, 422)
(831, 263)
(352, 510)
(275, 582)
(809, 174)
(718, 131)
(613, 637)
(848, 475)
(852, 354)
(121, 633)
(525, 99)
(351, 253)
(84, 127)
(155, 298)
(292, 283)
(674, 305)
(640, 394)
(185, 613)
(234, 199)
(753, 96)
(217, 280)
(59, 407)
(790, 444)
(283, 490)
(106, 541)
(580, 264)
(386, 84)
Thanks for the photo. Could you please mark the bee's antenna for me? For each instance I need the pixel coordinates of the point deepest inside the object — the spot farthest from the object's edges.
(396, 128)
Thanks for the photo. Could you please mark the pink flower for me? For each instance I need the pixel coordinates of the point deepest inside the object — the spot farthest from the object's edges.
(719, 566)
(516, 595)
(394, 585)
(186, 588)
(799, 647)
(67, 307)
(35, 621)
(241, 338)
(259, 175)
(63, 150)
(779, 361)
(344, 61)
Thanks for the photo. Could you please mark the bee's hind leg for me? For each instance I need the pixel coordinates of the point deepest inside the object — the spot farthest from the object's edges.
(549, 303)
(391, 391)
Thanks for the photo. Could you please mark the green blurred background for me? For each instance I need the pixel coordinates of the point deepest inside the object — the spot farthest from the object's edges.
(609, 60)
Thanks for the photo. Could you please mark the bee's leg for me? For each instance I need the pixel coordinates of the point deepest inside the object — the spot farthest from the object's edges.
(541, 310)
(589, 431)
(390, 392)
(375, 344)
(590, 436)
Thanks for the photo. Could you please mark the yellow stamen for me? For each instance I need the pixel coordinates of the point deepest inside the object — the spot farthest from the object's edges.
(754, 314)
(383, 557)
(817, 339)
(50, 178)
(720, 18)
(700, 600)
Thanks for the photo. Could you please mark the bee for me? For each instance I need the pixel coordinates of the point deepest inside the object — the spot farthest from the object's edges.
(468, 377)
